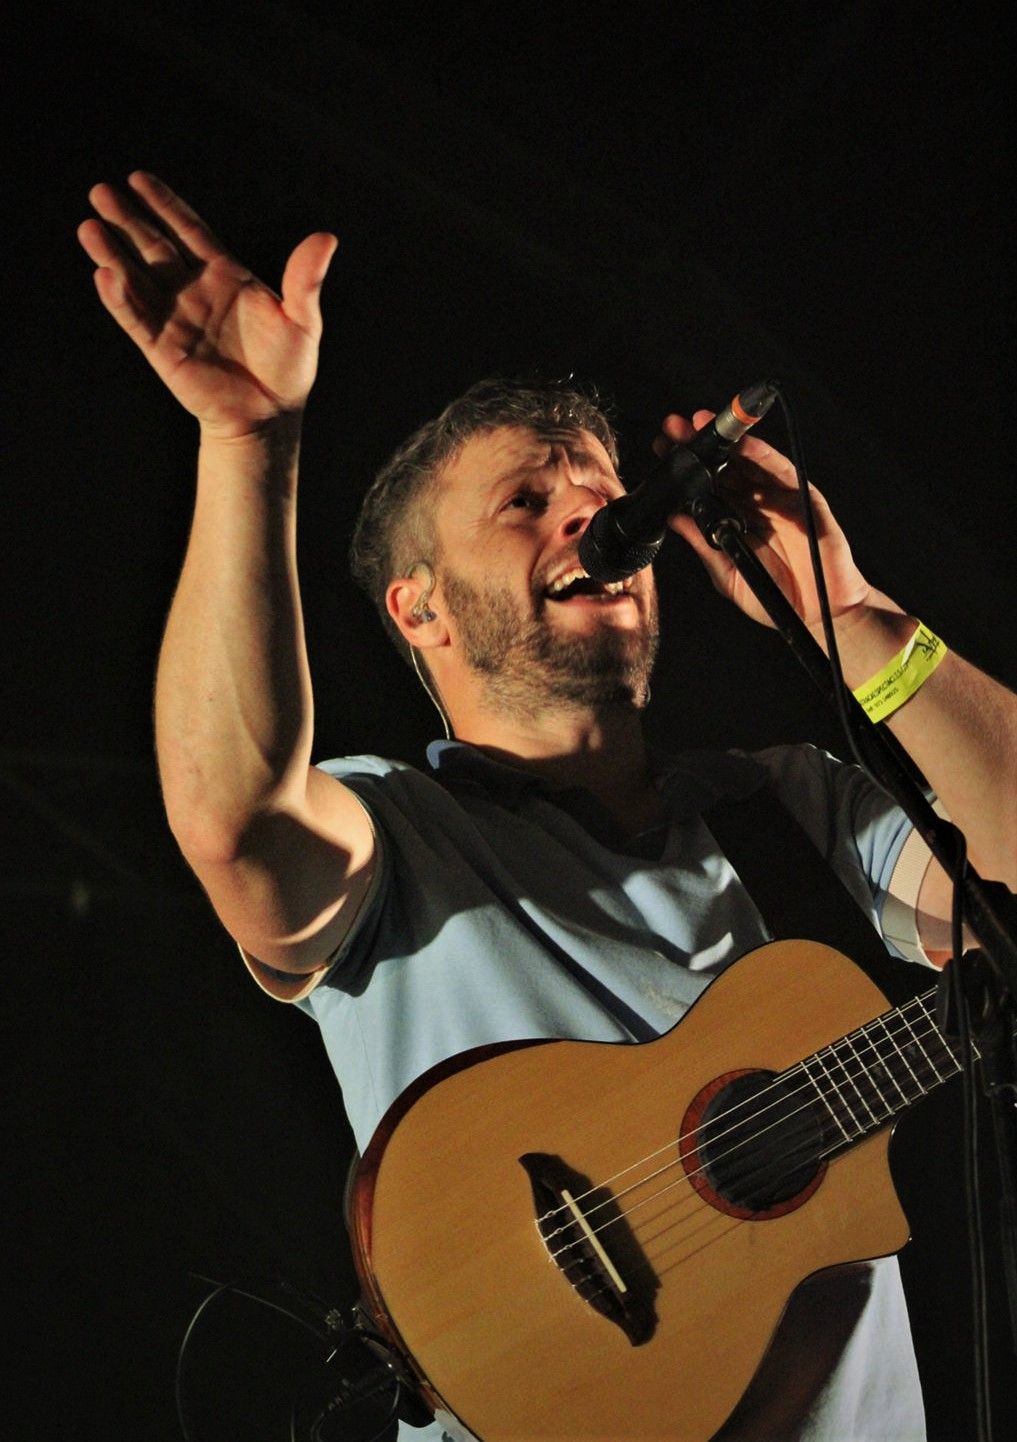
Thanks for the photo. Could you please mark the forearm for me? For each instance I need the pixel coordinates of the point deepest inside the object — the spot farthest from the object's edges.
(233, 694)
(284, 852)
(960, 729)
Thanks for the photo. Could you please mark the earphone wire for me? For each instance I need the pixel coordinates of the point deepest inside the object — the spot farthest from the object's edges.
(421, 611)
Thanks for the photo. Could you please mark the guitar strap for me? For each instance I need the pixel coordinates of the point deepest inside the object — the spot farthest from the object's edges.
(796, 891)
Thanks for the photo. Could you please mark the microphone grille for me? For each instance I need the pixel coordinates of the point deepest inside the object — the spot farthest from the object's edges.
(607, 557)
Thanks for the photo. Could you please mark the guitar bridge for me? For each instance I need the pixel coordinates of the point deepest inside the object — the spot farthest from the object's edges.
(592, 1246)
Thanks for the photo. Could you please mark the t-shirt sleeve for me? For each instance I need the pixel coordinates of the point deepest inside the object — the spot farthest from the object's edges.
(862, 832)
(297, 986)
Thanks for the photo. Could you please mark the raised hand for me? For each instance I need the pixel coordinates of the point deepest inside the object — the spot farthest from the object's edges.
(762, 485)
(232, 352)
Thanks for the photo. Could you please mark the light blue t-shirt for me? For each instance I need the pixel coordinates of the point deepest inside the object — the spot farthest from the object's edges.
(498, 914)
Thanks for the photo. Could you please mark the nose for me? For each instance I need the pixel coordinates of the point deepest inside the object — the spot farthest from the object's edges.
(580, 504)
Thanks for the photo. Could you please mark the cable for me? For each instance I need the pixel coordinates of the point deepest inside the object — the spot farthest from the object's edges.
(973, 1208)
(240, 1287)
(972, 1195)
(330, 1329)
(840, 688)
(316, 1433)
(362, 1390)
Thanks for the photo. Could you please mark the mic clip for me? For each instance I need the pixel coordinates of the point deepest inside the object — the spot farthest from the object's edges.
(695, 486)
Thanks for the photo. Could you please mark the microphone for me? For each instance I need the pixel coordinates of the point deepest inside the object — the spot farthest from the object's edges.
(626, 534)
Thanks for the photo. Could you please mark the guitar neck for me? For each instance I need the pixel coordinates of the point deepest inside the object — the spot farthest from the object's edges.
(866, 1079)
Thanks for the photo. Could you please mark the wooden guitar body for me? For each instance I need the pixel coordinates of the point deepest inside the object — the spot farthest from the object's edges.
(489, 1310)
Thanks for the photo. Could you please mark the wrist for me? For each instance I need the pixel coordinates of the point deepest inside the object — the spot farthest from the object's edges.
(264, 456)
(891, 687)
(868, 635)
(269, 447)
(272, 432)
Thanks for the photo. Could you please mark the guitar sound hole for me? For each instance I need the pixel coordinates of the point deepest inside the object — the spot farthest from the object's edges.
(760, 1142)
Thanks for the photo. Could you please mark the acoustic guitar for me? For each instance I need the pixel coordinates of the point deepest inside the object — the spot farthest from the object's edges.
(584, 1240)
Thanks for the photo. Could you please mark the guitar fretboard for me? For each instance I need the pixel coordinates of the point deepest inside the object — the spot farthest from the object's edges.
(867, 1078)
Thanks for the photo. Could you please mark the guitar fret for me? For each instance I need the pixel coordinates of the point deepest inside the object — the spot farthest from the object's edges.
(917, 1045)
(916, 1058)
(824, 1099)
(866, 1076)
(857, 1129)
(882, 1065)
(887, 1059)
(947, 1053)
(924, 1043)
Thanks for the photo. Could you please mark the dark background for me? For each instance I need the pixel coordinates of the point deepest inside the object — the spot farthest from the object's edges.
(669, 200)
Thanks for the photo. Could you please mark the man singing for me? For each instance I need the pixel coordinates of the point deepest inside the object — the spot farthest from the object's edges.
(547, 875)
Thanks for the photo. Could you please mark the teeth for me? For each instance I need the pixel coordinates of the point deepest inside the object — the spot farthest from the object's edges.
(566, 578)
(577, 573)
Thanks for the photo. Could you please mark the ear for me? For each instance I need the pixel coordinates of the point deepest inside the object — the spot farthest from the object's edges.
(408, 601)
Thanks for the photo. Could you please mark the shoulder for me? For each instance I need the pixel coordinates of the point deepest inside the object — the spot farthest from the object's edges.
(802, 775)
(377, 778)
(344, 768)
(402, 801)
(807, 774)
(835, 802)
(813, 783)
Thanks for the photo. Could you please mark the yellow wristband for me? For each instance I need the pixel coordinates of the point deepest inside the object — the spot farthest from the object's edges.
(883, 694)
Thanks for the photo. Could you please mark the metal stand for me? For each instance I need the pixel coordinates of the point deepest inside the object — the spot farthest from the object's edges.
(989, 908)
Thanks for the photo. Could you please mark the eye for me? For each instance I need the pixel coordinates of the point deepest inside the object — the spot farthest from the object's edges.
(526, 500)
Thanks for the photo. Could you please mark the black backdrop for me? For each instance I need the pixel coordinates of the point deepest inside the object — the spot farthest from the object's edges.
(669, 200)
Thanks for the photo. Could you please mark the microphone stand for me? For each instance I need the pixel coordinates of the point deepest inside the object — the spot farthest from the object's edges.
(988, 907)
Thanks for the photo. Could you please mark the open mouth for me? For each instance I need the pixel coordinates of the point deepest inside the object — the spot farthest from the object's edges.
(575, 582)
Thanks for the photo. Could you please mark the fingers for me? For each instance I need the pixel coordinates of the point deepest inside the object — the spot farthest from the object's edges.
(97, 244)
(676, 430)
(146, 230)
(139, 238)
(118, 281)
(303, 278)
(122, 305)
(190, 233)
(148, 245)
(137, 261)
(763, 459)
(752, 461)
(758, 482)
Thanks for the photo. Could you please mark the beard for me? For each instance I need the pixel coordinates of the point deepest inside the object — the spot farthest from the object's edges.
(528, 665)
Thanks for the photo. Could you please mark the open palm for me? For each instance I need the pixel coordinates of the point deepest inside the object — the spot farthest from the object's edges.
(232, 352)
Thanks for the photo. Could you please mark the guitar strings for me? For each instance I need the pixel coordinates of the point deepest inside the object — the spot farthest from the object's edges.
(921, 1002)
(919, 1005)
(703, 1207)
(933, 1077)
